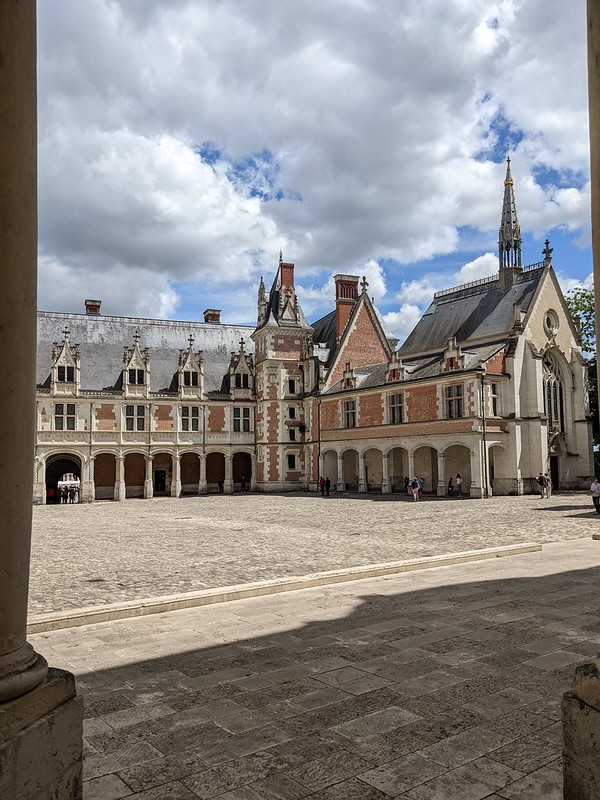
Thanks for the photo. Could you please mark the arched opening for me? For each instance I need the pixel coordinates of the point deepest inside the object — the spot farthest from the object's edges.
(162, 474)
(373, 470)
(350, 470)
(458, 462)
(135, 474)
(56, 467)
(215, 472)
(242, 471)
(330, 469)
(398, 468)
(554, 406)
(425, 461)
(190, 473)
(105, 475)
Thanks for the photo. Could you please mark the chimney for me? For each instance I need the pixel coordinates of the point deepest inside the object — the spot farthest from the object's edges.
(212, 315)
(92, 306)
(286, 273)
(346, 294)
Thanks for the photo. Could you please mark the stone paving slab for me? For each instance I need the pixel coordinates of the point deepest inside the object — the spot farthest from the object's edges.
(277, 697)
(95, 554)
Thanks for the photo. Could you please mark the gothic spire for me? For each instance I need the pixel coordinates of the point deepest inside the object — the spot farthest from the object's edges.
(509, 235)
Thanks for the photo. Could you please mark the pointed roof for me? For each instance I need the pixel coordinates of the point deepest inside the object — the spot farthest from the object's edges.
(509, 234)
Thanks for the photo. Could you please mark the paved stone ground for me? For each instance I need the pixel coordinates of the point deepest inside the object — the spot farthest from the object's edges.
(92, 554)
(436, 685)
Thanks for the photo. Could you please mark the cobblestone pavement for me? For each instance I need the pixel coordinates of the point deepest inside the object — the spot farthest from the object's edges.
(92, 554)
(443, 684)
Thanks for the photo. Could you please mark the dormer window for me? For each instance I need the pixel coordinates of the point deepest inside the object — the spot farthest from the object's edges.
(65, 374)
(136, 377)
(190, 377)
(241, 380)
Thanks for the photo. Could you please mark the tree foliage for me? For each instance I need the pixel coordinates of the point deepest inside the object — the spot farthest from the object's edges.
(580, 303)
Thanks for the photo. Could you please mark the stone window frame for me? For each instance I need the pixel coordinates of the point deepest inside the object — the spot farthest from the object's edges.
(291, 461)
(554, 396)
(349, 412)
(65, 374)
(454, 401)
(64, 412)
(190, 418)
(241, 419)
(191, 378)
(395, 408)
(136, 377)
(135, 418)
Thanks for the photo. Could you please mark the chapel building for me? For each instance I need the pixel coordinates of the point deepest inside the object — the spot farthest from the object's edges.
(491, 384)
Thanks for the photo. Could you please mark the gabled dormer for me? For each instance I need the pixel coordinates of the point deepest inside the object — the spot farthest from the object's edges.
(241, 374)
(395, 370)
(453, 358)
(65, 374)
(136, 369)
(348, 377)
(190, 373)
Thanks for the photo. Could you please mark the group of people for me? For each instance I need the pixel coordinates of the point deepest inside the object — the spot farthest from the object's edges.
(64, 494)
(545, 484)
(324, 486)
(455, 486)
(416, 486)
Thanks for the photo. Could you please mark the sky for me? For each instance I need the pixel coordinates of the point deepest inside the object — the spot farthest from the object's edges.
(183, 144)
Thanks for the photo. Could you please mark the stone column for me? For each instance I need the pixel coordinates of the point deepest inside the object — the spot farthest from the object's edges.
(362, 476)
(253, 475)
(341, 485)
(37, 753)
(176, 482)
(476, 487)
(385, 478)
(202, 483)
(411, 465)
(40, 475)
(148, 484)
(120, 488)
(228, 487)
(87, 487)
(581, 734)
(441, 465)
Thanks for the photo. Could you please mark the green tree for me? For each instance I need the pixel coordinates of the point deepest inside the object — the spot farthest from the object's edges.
(580, 303)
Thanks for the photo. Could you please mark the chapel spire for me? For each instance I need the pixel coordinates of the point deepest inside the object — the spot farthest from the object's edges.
(509, 235)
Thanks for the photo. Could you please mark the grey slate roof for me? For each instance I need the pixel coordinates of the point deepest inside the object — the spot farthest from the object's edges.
(471, 312)
(102, 338)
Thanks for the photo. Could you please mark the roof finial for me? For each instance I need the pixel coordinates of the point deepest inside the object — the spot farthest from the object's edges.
(242, 343)
(281, 256)
(191, 340)
(547, 253)
(136, 336)
(66, 333)
(363, 284)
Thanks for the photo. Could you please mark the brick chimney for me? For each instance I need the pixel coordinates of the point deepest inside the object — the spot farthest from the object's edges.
(92, 306)
(286, 273)
(346, 294)
(212, 315)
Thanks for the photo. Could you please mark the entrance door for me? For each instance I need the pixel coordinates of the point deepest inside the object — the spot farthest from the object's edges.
(554, 473)
(160, 480)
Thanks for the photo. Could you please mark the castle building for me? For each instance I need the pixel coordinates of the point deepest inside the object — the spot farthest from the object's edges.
(491, 384)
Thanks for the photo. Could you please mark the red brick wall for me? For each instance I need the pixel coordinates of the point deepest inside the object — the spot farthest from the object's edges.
(363, 347)
(273, 474)
(106, 419)
(497, 363)
(216, 418)
(421, 403)
(330, 415)
(370, 410)
(163, 418)
(104, 470)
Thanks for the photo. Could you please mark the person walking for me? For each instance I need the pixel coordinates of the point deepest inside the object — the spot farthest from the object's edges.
(327, 486)
(415, 489)
(459, 483)
(541, 484)
(547, 484)
(322, 485)
(451, 487)
(595, 490)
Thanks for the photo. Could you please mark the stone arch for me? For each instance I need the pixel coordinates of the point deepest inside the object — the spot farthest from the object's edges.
(215, 470)
(105, 476)
(134, 467)
(458, 462)
(425, 466)
(330, 466)
(350, 470)
(241, 468)
(190, 472)
(162, 474)
(398, 468)
(373, 469)
(57, 465)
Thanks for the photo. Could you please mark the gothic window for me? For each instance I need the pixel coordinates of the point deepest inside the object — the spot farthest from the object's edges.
(64, 417)
(453, 396)
(241, 419)
(396, 408)
(349, 414)
(65, 374)
(553, 395)
(190, 378)
(136, 377)
(135, 418)
(189, 417)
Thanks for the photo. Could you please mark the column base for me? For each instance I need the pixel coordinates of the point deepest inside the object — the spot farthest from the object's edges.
(41, 742)
(581, 735)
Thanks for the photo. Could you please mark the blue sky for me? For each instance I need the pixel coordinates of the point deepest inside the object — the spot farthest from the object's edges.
(183, 144)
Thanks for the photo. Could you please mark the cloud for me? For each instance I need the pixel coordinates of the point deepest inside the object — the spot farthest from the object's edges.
(480, 267)
(400, 323)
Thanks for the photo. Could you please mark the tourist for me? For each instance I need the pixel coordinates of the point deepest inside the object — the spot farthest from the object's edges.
(451, 487)
(243, 483)
(415, 489)
(547, 484)
(322, 485)
(459, 482)
(421, 486)
(595, 490)
(407, 485)
(542, 484)
(327, 486)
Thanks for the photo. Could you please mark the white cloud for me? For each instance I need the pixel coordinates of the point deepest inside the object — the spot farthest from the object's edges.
(480, 267)
(400, 323)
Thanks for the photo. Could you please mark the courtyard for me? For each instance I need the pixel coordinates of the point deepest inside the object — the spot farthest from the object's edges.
(94, 554)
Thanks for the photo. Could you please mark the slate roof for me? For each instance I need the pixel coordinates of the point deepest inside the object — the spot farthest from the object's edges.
(102, 338)
(475, 311)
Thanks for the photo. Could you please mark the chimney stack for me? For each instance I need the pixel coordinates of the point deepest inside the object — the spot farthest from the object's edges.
(346, 295)
(92, 306)
(212, 315)
(286, 274)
